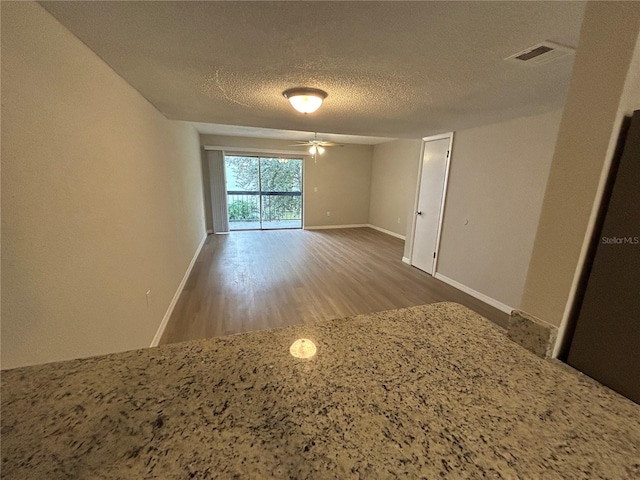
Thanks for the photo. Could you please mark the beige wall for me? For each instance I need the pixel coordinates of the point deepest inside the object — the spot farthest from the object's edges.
(630, 99)
(394, 175)
(342, 176)
(590, 124)
(496, 185)
(101, 199)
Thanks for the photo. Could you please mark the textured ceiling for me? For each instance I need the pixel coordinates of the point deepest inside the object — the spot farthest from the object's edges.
(392, 69)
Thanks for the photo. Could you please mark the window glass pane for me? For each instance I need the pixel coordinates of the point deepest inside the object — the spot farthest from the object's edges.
(243, 197)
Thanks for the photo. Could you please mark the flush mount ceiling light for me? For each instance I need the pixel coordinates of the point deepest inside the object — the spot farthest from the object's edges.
(304, 99)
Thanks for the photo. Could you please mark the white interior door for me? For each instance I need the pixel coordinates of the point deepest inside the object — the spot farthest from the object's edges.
(430, 204)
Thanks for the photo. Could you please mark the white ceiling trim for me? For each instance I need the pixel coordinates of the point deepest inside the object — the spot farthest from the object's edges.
(277, 134)
(265, 151)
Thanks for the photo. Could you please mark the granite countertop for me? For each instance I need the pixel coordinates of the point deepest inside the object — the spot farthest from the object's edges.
(423, 392)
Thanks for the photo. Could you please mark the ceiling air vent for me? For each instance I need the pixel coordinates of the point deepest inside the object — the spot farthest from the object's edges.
(540, 54)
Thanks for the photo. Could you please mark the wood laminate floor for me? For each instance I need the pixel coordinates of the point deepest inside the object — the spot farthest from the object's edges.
(257, 280)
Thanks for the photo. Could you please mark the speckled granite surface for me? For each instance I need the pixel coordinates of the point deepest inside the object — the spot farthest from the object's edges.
(531, 333)
(425, 392)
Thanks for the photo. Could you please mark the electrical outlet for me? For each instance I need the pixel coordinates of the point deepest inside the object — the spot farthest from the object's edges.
(148, 298)
(398, 219)
(328, 213)
(315, 189)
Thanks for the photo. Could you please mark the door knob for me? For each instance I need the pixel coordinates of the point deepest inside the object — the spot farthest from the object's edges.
(418, 213)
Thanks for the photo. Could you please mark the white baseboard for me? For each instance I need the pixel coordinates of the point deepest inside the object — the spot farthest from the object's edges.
(172, 305)
(388, 232)
(480, 296)
(328, 227)
(406, 260)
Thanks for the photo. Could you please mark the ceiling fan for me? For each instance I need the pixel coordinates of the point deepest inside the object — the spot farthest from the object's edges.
(316, 145)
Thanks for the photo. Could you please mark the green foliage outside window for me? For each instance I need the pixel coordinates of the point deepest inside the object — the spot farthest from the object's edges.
(242, 210)
(276, 175)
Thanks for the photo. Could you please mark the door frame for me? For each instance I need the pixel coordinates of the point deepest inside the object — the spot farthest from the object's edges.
(432, 138)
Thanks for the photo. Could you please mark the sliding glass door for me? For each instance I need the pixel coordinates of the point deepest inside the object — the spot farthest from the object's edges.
(281, 192)
(263, 192)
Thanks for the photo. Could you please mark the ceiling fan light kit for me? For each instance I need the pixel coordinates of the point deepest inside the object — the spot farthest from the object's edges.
(316, 149)
(305, 99)
(317, 146)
